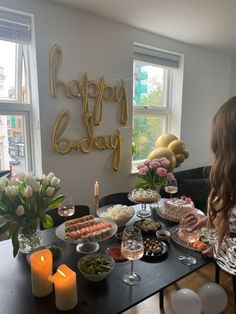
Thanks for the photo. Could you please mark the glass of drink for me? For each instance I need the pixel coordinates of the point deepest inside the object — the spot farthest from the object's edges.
(66, 208)
(171, 187)
(132, 248)
(189, 237)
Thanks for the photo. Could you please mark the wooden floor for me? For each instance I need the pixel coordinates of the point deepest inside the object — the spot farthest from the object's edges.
(194, 282)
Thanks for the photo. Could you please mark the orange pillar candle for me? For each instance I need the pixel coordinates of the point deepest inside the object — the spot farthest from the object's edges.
(41, 268)
(65, 288)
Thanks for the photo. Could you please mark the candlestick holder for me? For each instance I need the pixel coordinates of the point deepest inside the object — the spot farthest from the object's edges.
(96, 203)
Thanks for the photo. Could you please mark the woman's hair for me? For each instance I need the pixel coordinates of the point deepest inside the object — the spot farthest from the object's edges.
(223, 172)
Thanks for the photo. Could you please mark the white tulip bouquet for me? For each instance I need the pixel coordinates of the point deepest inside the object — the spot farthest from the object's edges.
(24, 199)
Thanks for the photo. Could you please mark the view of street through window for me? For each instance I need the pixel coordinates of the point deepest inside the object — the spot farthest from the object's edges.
(12, 132)
(148, 97)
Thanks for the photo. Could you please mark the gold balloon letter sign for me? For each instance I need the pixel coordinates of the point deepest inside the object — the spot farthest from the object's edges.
(85, 89)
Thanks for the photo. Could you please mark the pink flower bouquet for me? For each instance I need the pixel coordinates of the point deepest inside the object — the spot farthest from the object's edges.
(154, 174)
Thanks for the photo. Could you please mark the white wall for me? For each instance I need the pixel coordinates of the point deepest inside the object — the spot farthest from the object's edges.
(233, 78)
(101, 47)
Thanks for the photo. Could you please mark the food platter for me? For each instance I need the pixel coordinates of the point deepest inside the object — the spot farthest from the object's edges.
(154, 249)
(161, 213)
(206, 237)
(120, 214)
(140, 196)
(60, 232)
(148, 226)
(226, 257)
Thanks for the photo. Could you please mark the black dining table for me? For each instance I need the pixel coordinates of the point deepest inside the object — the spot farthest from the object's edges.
(109, 296)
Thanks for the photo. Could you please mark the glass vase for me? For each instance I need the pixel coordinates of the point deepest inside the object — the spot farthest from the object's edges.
(29, 237)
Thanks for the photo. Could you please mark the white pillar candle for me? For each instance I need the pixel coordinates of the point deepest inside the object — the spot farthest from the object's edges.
(65, 288)
(41, 268)
(96, 189)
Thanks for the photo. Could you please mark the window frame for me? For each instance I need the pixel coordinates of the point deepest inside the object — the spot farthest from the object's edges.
(27, 127)
(155, 111)
(26, 54)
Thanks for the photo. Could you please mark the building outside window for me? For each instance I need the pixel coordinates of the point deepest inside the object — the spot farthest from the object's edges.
(17, 103)
(157, 98)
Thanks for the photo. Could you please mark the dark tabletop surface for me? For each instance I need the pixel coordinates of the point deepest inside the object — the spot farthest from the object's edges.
(109, 296)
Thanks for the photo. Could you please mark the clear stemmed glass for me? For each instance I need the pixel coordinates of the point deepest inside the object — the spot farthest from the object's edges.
(132, 248)
(143, 213)
(190, 237)
(66, 208)
(171, 187)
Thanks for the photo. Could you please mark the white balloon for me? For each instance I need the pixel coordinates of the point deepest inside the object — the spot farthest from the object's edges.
(213, 297)
(186, 301)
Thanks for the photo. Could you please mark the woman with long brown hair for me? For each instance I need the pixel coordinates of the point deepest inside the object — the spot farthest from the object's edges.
(221, 211)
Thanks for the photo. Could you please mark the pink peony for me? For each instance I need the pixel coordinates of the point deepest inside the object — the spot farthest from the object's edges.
(147, 162)
(170, 176)
(164, 162)
(139, 166)
(161, 171)
(143, 170)
(154, 164)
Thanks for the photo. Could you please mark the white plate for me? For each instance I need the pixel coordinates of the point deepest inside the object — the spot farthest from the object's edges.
(119, 223)
(60, 232)
(226, 258)
(203, 233)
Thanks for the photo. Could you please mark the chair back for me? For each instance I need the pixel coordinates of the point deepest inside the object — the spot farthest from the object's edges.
(80, 210)
(5, 173)
(115, 198)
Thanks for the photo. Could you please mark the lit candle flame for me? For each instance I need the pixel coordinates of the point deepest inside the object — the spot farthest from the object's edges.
(61, 272)
(42, 258)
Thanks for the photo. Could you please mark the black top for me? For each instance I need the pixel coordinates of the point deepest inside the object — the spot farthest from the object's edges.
(111, 295)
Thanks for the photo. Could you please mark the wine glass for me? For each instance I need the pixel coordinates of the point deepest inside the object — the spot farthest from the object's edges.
(132, 248)
(66, 208)
(171, 187)
(143, 212)
(190, 237)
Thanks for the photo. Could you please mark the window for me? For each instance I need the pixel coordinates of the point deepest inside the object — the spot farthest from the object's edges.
(17, 107)
(157, 98)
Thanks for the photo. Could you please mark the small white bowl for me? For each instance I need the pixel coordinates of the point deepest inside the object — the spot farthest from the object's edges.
(162, 234)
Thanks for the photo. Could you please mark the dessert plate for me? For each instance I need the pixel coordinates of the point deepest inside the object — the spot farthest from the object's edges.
(206, 237)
